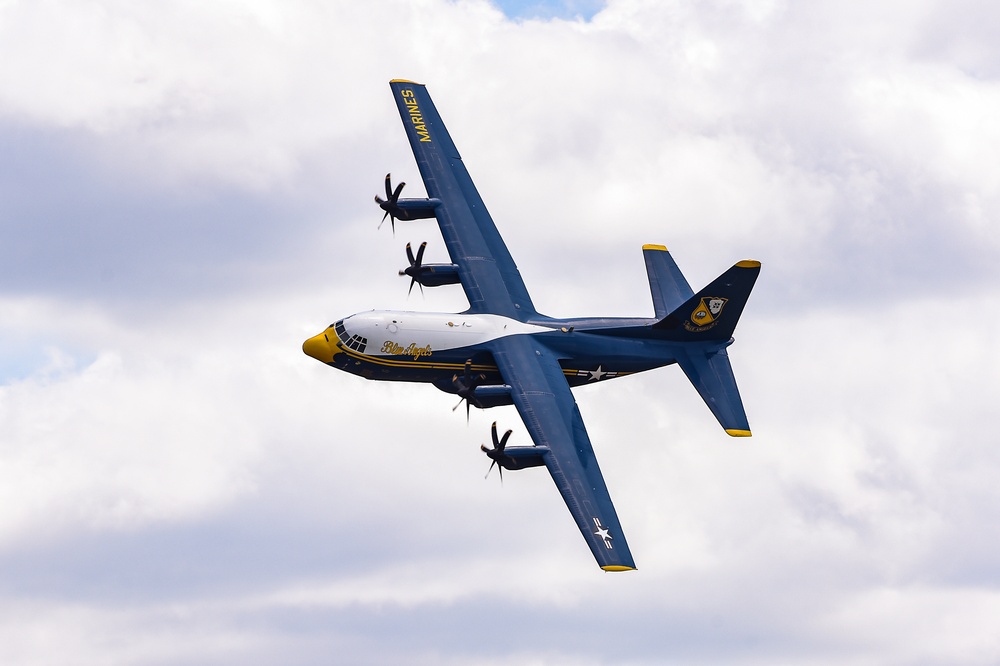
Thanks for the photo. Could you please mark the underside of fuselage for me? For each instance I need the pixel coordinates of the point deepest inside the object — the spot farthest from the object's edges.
(449, 350)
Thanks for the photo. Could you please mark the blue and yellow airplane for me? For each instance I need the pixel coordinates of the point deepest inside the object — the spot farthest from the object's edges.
(502, 351)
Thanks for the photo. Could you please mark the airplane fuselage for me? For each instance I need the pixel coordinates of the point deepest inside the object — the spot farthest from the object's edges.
(433, 347)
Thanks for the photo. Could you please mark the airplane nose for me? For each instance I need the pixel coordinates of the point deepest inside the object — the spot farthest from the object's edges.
(319, 348)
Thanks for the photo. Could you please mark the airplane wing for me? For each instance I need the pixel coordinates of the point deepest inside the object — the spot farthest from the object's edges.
(552, 417)
(493, 285)
(487, 272)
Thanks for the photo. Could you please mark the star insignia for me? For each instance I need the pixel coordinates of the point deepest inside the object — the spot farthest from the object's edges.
(603, 532)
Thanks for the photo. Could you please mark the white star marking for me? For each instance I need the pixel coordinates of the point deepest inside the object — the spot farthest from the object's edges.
(604, 533)
(597, 374)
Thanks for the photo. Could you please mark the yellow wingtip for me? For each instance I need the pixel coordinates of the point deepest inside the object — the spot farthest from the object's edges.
(650, 246)
(748, 263)
(733, 432)
(617, 567)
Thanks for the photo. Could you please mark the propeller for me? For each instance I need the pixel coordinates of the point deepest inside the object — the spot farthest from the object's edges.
(415, 265)
(466, 385)
(496, 453)
(390, 203)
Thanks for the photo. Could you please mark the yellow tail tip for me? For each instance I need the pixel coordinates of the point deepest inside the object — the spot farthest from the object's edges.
(650, 246)
(733, 432)
(617, 567)
(748, 263)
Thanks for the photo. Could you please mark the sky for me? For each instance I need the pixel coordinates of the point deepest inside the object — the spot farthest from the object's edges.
(186, 195)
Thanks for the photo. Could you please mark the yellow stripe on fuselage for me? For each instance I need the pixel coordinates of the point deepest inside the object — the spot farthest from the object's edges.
(431, 365)
(395, 363)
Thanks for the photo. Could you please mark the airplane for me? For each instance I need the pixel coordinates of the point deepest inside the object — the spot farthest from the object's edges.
(502, 351)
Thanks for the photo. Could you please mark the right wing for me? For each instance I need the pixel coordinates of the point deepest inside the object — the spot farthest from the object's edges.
(486, 270)
(552, 417)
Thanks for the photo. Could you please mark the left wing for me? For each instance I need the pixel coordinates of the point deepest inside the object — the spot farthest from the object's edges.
(551, 415)
(486, 270)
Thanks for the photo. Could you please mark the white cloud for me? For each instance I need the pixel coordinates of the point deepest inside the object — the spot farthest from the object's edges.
(187, 197)
(119, 443)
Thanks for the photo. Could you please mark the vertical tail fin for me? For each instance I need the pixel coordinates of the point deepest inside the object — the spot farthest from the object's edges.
(712, 313)
(667, 284)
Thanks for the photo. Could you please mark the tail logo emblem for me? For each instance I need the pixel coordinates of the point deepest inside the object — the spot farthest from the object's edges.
(706, 314)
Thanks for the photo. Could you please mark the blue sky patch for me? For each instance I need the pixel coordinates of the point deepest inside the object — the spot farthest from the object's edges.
(548, 9)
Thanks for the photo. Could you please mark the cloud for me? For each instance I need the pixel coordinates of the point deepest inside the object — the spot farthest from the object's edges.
(186, 196)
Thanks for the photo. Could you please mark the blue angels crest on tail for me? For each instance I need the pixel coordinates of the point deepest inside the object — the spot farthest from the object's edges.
(502, 351)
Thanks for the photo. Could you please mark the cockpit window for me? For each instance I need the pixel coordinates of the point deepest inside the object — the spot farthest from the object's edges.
(355, 342)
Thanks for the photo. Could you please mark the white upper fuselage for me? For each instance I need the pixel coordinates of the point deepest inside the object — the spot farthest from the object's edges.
(394, 333)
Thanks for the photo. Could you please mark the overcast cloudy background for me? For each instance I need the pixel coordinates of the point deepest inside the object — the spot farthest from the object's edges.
(185, 196)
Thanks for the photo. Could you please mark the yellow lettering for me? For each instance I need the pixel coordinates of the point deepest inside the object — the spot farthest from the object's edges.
(416, 117)
(413, 350)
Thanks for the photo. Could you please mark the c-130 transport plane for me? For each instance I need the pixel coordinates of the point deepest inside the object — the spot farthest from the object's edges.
(502, 351)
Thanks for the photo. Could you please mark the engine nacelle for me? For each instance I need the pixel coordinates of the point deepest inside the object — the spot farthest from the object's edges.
(433, 275)
(495, 395)
(411, 209)
(483, 397)
(428, 275)
(521, 457)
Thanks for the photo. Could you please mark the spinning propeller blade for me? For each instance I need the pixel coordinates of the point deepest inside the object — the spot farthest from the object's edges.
(415, 264)
(390, 203)
(466, 385)
(496, 453)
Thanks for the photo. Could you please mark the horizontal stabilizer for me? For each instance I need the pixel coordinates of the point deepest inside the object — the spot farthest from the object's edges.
(667, 284)
(712, 375)
(712, 313)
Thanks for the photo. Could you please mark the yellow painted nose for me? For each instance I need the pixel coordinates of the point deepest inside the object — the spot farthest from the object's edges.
(319, 348)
